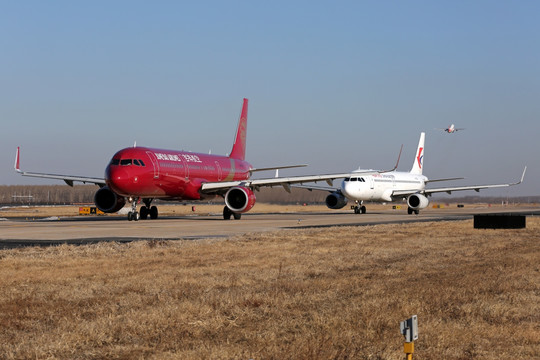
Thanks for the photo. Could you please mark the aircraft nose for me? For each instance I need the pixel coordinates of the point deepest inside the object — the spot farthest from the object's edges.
(350, 189)
(346, 188)
(118, 179)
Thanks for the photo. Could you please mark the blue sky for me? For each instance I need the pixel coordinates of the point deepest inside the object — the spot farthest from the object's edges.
(336, 85)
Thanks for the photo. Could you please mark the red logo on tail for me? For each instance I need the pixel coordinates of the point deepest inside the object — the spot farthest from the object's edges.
(420, 157)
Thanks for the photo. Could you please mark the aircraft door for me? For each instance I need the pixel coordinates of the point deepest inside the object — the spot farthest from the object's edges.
(371, 182)
(155, 163)
(219, 171)
(186, 167)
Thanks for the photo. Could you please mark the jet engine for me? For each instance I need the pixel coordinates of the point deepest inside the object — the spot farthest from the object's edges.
(240, 199)
(417, 201)
(108, 201)
(336, 200)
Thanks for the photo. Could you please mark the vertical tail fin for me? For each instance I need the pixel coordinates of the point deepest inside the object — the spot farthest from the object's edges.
(239, 147)
(418, 164)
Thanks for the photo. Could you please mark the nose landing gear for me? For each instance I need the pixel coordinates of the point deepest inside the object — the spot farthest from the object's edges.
(133, 215)
(359, 208)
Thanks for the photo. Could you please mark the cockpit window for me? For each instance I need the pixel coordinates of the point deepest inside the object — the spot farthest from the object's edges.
(115, 161)
(142, 163)
(136, 162)
(125, 162)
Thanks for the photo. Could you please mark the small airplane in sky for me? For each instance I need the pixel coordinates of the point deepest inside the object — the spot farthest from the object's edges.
(393, 186)
(451, 129)
(143, 174)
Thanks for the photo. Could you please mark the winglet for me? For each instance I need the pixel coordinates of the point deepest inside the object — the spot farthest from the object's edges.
(522, 176)
(399, 157)
(397, 162)
(520, 180)
(17, 161)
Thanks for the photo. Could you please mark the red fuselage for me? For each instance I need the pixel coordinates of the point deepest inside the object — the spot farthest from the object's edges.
(169, 174)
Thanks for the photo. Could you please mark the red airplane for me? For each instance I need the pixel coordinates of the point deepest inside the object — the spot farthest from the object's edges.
(143, 174)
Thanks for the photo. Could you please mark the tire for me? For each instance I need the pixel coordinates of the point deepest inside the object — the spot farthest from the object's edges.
(227, 213)
(144, 212)
(363, 209)
(153, 212)
(237, 216)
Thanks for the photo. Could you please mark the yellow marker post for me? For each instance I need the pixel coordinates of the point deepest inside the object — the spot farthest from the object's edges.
(408, 348)
(409, 329)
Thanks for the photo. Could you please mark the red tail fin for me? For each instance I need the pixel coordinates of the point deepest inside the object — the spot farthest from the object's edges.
(239, 147)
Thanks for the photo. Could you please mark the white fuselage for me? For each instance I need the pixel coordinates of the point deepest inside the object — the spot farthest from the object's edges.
(380, 187)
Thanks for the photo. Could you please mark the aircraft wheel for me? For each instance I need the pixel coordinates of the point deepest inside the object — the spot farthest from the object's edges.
(133, 216)
(227, 213)
(363, 209)
(144, 213)
(153, 212)
(237, 216)
(409, 211)
(356, 210)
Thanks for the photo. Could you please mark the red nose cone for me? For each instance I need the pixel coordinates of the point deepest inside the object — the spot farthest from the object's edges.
(119, 180)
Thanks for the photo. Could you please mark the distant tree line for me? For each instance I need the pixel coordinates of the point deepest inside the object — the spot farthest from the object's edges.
(84, 194)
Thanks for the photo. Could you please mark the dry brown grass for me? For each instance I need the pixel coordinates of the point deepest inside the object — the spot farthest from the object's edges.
(303, 294)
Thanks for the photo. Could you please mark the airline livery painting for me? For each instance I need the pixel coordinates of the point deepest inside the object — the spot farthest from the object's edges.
(144, 174)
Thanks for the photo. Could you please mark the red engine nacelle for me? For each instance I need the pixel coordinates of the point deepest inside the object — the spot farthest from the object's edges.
(240, 199)
(108, 201)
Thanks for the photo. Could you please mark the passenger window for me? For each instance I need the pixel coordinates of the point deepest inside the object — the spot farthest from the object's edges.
(125, 162)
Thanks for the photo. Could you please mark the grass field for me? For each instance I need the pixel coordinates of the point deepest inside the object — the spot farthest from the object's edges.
(336, 293)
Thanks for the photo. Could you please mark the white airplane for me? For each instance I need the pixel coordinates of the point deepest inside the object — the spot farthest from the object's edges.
(393, 186)
(451, 129)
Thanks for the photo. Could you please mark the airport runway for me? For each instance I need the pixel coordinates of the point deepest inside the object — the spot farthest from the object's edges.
(85, 230)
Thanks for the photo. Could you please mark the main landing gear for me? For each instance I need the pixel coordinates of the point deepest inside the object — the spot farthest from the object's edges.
(412, 211)
(146, 210)
(227, 213)
(359, 208)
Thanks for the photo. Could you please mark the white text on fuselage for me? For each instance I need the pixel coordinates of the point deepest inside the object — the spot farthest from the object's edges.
(171, 157)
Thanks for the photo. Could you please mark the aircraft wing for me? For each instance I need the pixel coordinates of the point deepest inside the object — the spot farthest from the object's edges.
(68, 179)
(286, 182)
(276, 168)
(449, 190)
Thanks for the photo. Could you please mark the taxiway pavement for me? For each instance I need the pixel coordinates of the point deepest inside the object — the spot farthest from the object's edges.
(85, 230)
